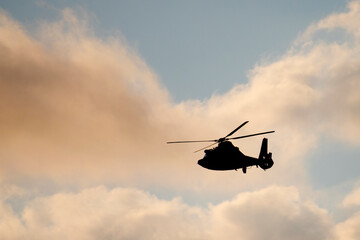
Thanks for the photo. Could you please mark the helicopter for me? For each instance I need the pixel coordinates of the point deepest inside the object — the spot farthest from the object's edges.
(226, 156)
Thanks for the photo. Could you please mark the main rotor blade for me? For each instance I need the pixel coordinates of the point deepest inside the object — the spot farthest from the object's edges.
(192, 141)
(251, 135)
(236, 129)
(204, 147)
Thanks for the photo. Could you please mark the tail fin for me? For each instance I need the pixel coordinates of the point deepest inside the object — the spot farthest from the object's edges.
(264, 148)
(265, 160)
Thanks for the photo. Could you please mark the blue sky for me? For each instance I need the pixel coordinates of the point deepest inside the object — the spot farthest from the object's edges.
(90, 92)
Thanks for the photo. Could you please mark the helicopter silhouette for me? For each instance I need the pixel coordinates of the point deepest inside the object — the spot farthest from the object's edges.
(226, 156)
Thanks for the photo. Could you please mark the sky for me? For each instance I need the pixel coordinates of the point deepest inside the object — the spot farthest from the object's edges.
(91, 92)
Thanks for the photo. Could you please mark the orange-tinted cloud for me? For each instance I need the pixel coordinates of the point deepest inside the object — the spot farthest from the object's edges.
(75, 108)
(82, 111)
(69, 99)
(120, 213)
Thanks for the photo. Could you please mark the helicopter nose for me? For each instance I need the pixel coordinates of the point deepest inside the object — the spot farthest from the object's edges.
(201, 162)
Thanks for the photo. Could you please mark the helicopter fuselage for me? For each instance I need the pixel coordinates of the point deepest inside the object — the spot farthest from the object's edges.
(228, 157)
(228, 163)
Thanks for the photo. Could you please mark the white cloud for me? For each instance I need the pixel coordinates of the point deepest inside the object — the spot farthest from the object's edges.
(271, 213)
(353, 199)
(99, 213)
(10, 225)
(349, 229)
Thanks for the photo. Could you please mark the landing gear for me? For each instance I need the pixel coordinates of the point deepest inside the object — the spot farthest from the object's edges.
(244, 170)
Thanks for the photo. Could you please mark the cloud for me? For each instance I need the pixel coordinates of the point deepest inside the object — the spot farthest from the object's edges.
(347, 21)
(272, 213)
(122, 213)
(353, 199)
(111, 214)
(76, 109)
(10, 225)
(349, 229)
(79, 111)
(68, 99)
